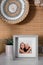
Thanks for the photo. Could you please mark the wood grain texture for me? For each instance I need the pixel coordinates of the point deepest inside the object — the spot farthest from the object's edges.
(33, 24)
(2, 46)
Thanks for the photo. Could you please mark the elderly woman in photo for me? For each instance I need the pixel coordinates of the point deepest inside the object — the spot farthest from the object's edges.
(27, 48)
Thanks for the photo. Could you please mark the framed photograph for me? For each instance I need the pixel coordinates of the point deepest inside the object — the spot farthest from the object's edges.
(25, 45)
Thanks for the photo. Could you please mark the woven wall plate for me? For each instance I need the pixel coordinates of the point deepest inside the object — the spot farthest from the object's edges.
(14, 11)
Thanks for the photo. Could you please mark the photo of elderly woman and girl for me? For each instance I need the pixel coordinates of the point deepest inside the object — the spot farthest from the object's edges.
(25, 48)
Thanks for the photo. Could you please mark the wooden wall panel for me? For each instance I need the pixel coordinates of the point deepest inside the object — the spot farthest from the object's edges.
(5, 30)
(33, 24)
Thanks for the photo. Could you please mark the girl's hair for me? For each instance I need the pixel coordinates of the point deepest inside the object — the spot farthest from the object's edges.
(21, 43)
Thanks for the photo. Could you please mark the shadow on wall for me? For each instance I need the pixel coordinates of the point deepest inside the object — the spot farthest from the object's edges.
(31, 14)
(0, 1)
(31, 1)
(41, 40)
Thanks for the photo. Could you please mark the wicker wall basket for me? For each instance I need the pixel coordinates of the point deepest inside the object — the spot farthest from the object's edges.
(14, 11)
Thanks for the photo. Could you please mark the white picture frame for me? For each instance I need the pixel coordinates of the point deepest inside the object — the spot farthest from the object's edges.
(33, 42)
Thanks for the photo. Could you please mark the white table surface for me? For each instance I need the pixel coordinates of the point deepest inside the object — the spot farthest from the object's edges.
(20, 61)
